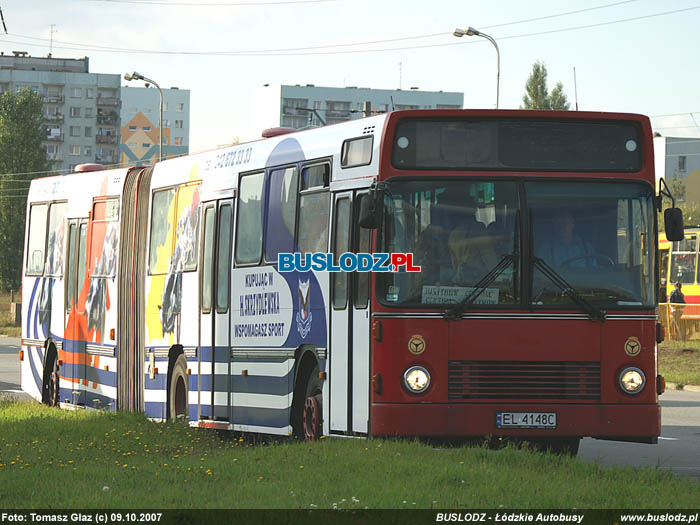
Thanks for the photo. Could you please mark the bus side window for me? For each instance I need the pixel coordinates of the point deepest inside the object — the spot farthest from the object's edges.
(363, 240)
(224, 258)
(36, 245)
(281, 212)
(314, 210)
(341, 245)
(249, 220)
(162, 218)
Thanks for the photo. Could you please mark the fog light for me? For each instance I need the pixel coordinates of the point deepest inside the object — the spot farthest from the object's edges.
(416, 379)
(632, 380)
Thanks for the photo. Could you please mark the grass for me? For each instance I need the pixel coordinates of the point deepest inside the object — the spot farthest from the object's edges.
(6, 327)
(679, 361)
(53, 458)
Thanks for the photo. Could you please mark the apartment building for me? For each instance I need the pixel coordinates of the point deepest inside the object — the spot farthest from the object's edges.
(300, 106)
(81, 109)
(139, 132)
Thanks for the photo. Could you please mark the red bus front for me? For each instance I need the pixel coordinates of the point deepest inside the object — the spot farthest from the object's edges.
(534, 314)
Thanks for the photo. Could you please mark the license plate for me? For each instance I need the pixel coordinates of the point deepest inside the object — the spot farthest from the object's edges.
(526, 420)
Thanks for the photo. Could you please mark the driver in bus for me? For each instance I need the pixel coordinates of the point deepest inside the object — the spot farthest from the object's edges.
(566, 248)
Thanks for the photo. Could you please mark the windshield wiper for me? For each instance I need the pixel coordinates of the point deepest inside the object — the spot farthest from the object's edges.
(594, 313)
(457, 310)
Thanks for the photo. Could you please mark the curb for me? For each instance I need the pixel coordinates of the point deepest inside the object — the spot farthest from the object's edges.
(685, 388)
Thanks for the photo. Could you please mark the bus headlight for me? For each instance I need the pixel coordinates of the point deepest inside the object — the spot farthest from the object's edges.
(632, 380)
(416, 379)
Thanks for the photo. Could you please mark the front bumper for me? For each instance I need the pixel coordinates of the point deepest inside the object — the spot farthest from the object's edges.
(625, 422)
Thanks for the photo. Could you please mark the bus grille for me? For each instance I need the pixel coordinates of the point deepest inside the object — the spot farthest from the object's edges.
(523, 379)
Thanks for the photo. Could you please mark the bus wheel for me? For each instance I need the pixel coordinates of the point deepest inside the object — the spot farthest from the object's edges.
(312, 416)
(178, 390)
(51, 395)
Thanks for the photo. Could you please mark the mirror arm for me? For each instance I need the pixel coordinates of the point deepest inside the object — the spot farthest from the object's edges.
(664, 191)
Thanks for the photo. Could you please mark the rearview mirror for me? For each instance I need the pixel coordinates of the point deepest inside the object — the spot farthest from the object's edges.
(673, 222)
(371, 209)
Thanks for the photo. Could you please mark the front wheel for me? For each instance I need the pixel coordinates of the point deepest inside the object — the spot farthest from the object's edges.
(177, 390)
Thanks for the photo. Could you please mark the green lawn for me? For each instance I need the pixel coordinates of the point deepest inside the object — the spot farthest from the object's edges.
(679, 361)
(86, 459)
(6, 328)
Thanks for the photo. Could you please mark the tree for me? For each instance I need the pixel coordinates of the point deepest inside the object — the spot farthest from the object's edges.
(21, 157)
(537, 95)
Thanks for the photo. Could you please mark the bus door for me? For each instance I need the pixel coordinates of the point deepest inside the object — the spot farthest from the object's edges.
(215, 319)
(74, 364)
(349, 348)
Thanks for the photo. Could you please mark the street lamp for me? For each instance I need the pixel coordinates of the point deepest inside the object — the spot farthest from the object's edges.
(470, 31)
(139, 76)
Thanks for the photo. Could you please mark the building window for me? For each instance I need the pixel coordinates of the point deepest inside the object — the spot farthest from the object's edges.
(88, 112)
(76, 93)
(180, 106)
(165, 106)
(166, 123)
(178, 141)
(165, 141)
(75, 149)
(132, 128)
(75, 131)
(178, 124)
(89, 93)
(146, 145)
(87, 150)
(132, 144)
(88, 131)
(681, 163)
(147, 128)
(290, 105)
(74, 112)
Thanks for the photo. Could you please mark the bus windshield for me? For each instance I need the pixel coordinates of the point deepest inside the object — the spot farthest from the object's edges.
(597, 237)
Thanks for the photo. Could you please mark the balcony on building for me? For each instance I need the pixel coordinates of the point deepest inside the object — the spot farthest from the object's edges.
(54, 138)
(107, 101)
(106, 139)
(52, 98)
(107, 117)
(57, 117)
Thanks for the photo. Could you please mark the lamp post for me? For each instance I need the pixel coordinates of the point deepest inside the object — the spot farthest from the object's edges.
(139, 76)
(470, 31)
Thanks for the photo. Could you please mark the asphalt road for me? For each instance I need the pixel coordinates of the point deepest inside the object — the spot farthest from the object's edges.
(678, 448)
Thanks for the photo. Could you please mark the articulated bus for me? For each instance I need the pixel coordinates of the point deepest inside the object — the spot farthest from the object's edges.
(159, 289)
(678, 263)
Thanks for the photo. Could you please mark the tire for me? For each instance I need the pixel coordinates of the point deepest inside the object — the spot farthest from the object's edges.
(50, 394)
(307, 419)
(178, 407)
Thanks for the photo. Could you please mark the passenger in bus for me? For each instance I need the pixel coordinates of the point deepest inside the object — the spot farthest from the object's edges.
(566, 248)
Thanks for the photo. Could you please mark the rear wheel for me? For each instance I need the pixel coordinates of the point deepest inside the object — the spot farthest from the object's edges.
(310, 422)
(51, 394)
(177, 390)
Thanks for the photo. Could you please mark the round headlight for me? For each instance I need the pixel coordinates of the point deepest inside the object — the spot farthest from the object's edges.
(632, 380)
(416, 379)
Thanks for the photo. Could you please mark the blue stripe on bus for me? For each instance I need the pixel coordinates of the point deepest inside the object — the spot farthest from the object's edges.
(261, 417)
(250, 384)
(155, 409)
(222, 354)
(37, 377)
(29, 310)
(91, 374)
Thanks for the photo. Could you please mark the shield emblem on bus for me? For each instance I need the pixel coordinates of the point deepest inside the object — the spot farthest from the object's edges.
(304, 314)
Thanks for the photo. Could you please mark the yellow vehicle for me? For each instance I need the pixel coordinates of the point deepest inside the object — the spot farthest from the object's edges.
(678, 263)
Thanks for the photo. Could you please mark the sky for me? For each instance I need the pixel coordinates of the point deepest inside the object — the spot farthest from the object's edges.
(638, 56)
